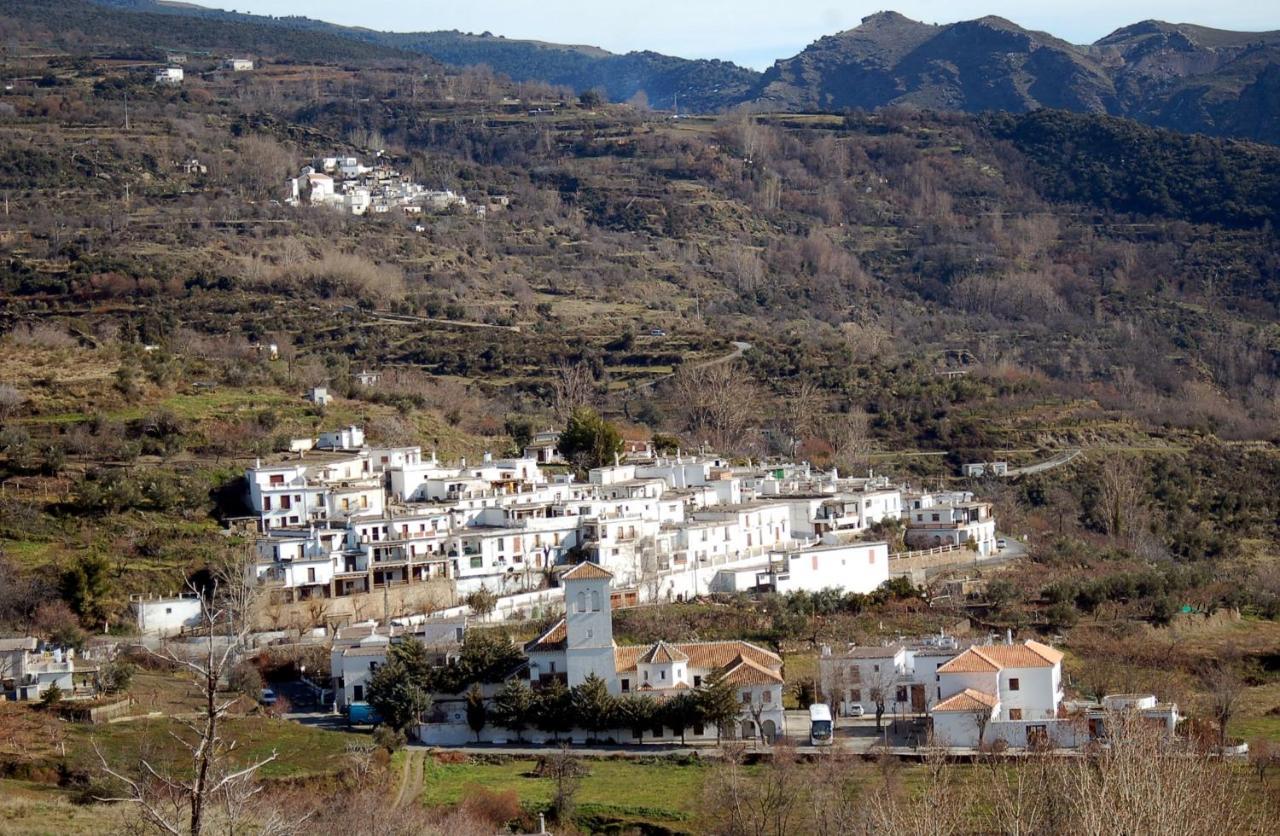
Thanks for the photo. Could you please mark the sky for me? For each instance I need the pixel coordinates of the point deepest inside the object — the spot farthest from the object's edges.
(753, 33)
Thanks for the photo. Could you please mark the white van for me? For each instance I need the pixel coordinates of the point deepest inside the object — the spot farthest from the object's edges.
(821, 732)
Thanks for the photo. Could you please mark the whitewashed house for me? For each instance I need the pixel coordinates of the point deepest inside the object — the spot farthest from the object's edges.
(169, 75)
(358, 651)
(1009, 692)
(166, 616)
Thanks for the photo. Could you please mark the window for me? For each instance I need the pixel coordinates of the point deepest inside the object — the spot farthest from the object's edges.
(875, 668)
(358, 692)
(625, 685)
(901, 695)
(697, 681)
(855, 695)
(266, 503)
(477, 562)
(698, 729)
(595, 600)
(935, 517)
(768, 695)
(871, 558)
(646, 676)
(286, 502)
(311, 575)
(582, 602)
(373, 666)
(662, 674)
(277, 479)
(746, 698)
(168, 610)
(1014, 683)
(1015, 714)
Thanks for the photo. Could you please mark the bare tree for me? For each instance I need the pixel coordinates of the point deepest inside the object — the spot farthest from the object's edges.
(718, 402)
(1121, 492)
(1223, 692)
(572, 386)
(179, 801)
(10, 400)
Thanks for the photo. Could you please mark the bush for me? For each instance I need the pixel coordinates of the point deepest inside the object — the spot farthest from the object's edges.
(51, 698)
(389, 738)
(245, 679)
(116, 676)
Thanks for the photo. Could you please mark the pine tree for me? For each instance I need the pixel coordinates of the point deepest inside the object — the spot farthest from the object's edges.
(477, 711)
(592, 705)
(718, 702)
(514, 706)
(554, 710)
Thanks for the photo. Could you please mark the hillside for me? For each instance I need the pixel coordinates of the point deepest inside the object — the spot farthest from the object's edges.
(1179, 76)
(695, 85)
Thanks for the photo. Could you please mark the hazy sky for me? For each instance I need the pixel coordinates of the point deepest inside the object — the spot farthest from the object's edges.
(749, 32)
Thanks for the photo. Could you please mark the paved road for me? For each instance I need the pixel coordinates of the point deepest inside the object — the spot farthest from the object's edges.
(1048, 464)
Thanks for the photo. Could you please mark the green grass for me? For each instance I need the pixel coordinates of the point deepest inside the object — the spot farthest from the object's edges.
(300, 750)
(626, 790)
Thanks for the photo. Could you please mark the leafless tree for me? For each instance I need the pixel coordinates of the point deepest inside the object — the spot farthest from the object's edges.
(718, 402)
(1137, 784)
(572, 386)
(10, 400)
(184, 800)
(770, 803)
(1121, 490)
(1223, 690)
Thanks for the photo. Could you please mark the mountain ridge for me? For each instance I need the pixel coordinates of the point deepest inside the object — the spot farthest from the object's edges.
(1181, 76)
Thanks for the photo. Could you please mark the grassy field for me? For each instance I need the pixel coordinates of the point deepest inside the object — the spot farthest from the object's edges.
(33, 809)
(662, 792)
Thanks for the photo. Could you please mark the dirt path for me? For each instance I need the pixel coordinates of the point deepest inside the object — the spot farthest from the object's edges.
(411, 777)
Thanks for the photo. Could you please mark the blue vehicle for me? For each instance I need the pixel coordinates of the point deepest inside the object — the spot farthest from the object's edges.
(362, 714)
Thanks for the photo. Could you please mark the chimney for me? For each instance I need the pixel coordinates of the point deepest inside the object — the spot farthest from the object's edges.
(1008, 636)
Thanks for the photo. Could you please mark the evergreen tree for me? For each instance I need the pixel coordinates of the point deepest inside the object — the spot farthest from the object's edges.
(592, 705)
(400, 690)
(514, 706)
(680, 712)
(636, 712)
(718, 702)
(477, 711)
(588, 440)
(554, 709)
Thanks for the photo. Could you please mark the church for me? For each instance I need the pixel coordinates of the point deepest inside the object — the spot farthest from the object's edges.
(581, 644)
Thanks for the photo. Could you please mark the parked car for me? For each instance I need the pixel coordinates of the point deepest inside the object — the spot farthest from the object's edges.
(856, 710)
(267, 697)
(1002, 544)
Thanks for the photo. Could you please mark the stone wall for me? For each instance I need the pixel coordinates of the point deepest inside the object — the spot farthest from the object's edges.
(406, 599)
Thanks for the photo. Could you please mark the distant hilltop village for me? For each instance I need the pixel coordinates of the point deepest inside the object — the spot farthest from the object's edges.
(348, 185)
(340, 517)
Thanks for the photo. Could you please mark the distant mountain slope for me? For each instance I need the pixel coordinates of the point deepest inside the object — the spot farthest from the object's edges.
(77, 24)
(1190, 78)
(700, 85)
(1179, 76)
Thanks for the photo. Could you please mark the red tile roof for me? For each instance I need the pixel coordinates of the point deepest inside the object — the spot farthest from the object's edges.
(586, 571)
(555, 638)
(662, 653)
(995, 657)
(967, 700)
(746, 672)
